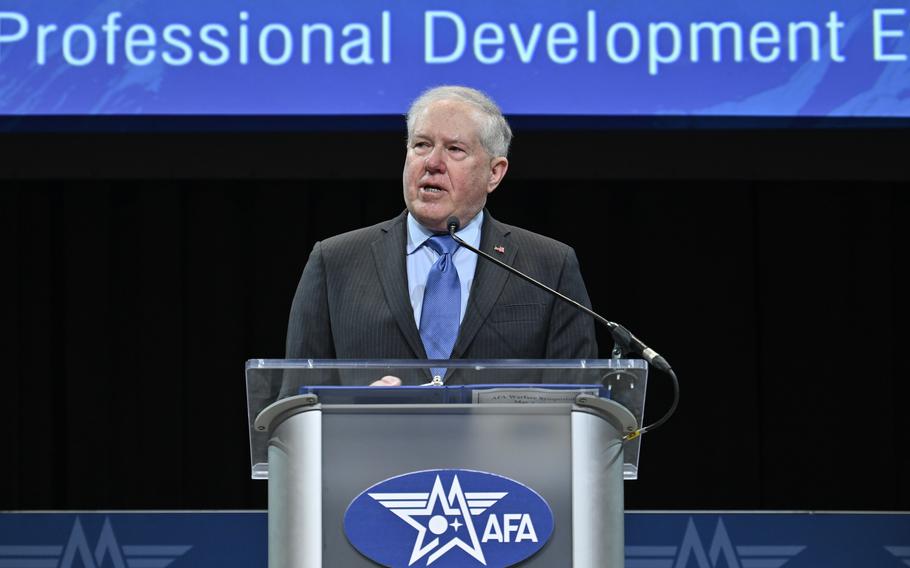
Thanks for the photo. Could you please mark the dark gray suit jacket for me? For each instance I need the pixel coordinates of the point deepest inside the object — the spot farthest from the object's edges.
(352, 300)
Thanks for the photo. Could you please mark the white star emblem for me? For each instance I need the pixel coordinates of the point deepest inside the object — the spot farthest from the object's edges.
(407, 506)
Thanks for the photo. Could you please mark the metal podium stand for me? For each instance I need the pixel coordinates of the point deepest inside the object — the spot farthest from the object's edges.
(555, 427)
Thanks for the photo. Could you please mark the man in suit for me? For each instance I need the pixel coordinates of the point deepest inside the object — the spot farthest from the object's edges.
(370, 293)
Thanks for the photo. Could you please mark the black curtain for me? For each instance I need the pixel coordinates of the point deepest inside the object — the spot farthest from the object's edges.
(129, 305)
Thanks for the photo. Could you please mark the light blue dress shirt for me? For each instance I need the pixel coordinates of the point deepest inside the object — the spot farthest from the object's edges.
(420, 260)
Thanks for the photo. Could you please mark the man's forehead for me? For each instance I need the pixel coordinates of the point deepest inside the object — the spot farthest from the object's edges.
(449, 119)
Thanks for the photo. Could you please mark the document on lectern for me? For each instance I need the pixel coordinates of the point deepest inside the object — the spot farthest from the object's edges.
(531, 395)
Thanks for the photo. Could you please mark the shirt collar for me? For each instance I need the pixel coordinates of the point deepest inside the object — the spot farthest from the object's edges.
(418, 234)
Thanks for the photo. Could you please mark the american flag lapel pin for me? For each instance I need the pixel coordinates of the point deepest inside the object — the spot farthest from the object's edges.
(500, 249)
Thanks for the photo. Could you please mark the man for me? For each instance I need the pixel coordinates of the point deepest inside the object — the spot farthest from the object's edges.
(393, 291)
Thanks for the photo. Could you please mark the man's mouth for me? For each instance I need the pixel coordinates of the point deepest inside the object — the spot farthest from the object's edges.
(432, 189)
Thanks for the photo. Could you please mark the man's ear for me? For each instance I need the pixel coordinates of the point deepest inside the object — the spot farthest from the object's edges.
(498, 168)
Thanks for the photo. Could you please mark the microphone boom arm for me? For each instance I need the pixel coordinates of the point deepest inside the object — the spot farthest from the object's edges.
(622, 337)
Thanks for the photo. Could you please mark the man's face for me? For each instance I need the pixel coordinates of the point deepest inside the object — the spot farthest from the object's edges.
(446, 170)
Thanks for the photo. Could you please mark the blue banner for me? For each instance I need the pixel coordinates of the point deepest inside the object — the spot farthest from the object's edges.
(834, 58)
(653, 540)
(133, 540)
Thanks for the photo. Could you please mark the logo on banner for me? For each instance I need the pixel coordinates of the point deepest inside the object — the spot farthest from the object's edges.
(78, 553)
(448, 518)
(720, 552)
(901, 552)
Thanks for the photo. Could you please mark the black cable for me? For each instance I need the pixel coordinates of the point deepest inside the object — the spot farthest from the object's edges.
(660, 421)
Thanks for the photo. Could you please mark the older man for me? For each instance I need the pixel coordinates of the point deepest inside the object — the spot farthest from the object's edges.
(404, 289)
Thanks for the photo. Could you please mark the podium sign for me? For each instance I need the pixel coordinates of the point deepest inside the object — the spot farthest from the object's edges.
(510, 461)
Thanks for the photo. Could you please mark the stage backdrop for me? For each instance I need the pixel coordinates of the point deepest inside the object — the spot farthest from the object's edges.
(129, 307)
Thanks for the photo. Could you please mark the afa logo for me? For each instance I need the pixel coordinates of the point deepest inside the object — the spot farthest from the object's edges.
(448, 518)
(721, 551)
(78, 552)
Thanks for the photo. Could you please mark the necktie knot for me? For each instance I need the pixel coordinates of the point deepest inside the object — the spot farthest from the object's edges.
(442, 244)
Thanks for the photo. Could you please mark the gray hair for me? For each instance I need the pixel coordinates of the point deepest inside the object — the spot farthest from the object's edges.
(495, 134)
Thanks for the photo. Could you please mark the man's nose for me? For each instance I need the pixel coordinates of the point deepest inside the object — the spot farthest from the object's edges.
(435, 161)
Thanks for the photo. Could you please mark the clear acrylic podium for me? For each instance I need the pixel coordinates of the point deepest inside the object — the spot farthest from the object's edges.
(557, 427)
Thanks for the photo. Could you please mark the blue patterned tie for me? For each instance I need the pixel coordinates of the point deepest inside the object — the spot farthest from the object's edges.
(441, 312)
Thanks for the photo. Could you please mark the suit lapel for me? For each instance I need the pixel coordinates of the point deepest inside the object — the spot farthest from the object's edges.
(489, 281)
(391, 266)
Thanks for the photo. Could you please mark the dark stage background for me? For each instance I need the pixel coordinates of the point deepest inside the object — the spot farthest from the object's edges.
(140, 271)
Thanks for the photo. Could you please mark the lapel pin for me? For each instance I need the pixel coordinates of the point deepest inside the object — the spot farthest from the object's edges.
(500, 249)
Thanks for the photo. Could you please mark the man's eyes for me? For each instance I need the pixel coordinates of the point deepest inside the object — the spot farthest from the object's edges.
(424, 146)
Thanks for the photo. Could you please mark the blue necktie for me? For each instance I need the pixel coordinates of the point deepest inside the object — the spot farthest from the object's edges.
(441, 312)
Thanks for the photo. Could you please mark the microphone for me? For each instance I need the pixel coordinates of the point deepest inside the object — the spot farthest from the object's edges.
(620, 334)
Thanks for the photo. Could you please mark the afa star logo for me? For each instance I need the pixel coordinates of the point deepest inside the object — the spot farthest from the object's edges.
(467, 518)
(439, 508)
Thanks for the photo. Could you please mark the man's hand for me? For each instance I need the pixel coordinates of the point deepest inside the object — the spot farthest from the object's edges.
(387, 381)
